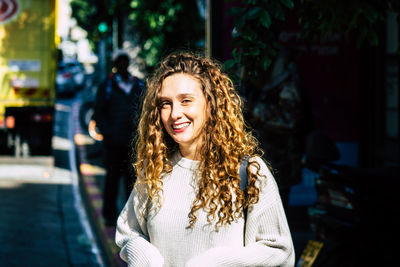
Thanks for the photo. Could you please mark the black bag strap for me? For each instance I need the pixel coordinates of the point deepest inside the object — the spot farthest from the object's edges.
(244, 181)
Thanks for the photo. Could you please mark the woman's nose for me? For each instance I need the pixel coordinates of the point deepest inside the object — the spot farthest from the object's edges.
(176, 112)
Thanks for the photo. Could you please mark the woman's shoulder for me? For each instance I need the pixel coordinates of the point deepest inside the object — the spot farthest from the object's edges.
(265, 178)
(259, 165)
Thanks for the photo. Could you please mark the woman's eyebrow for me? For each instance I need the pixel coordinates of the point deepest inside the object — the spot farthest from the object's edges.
(186, 95)
(162, 98)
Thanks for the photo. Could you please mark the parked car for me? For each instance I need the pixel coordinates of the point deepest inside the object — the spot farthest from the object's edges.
(65, 84)
(70, 77)
(78, 73)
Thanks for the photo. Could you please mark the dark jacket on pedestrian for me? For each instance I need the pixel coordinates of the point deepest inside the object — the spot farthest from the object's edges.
(116, 111)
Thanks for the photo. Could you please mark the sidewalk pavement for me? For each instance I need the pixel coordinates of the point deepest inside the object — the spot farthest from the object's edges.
(89, 160)
(39, 221)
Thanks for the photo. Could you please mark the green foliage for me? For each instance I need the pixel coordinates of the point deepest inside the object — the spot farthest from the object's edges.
(87, 14)
(159, 26)
(361, 17)
(165, 25)
(258, 22)
(96, 16)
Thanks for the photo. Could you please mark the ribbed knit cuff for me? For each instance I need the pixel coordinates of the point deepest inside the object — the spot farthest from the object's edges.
(140, 252)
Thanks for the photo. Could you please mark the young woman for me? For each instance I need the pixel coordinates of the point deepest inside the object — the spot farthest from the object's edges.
(203, 196)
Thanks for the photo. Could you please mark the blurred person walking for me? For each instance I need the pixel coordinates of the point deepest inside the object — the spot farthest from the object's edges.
(116, 105)
(204, 196)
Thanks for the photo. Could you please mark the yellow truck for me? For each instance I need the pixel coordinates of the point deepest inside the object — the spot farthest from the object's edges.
(28, 63)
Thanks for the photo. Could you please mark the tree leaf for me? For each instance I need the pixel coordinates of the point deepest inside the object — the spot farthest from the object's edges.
(265, 19)
(229, 64)
(255, 52)
(235, 11)
(266, 62)
(234, 52)
(253, 12)
(288, 3)
(373, 38)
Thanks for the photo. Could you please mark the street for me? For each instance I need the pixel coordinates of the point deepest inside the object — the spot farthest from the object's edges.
(43, 220)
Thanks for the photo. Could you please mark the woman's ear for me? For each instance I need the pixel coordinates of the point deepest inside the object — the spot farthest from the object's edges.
(208, 110)
(210, 102)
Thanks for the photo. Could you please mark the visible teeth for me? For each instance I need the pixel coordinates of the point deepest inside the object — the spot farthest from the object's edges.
(180, 126)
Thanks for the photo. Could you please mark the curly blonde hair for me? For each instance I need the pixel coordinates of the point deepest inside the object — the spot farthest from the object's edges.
(226, 143)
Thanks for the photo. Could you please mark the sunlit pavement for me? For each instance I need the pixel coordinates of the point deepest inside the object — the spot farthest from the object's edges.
(42, 219)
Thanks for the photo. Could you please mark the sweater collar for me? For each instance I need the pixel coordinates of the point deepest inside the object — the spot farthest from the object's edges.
(184, 162)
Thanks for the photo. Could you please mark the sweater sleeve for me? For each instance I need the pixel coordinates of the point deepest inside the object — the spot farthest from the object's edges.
(131, 237)
(267, 240)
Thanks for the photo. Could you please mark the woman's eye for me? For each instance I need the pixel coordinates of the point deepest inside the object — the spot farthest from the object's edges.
(186, 101)
(164, 104)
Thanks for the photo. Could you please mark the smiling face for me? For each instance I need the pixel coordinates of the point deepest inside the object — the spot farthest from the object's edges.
(183, 111)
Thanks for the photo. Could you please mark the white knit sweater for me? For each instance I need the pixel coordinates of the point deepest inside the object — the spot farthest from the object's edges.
(163, 238)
